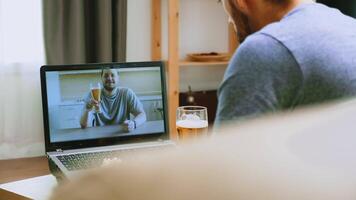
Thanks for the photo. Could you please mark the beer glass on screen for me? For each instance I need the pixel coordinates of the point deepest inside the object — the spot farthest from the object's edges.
(95, 89)
(192, 122)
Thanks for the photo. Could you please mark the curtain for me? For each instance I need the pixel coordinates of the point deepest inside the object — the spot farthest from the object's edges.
(21, 126)
(21, 56)
(85, 31)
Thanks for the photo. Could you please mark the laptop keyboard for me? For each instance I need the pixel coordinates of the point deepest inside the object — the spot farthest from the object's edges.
(88, 160)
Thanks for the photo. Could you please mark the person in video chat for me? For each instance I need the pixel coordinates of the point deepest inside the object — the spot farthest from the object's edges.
(115, 105)
(292, 53)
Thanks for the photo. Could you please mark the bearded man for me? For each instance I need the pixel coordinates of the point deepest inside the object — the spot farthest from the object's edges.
(116, 105)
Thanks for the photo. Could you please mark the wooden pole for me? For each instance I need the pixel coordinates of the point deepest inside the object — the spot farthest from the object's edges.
(173, 64)
(156, 49)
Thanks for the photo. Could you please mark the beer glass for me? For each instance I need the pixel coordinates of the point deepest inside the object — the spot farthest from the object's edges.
(192, 122)
(95, 89)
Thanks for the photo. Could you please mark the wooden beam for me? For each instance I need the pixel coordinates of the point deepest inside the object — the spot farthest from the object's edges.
(156, 41)
(173, 64)
(233, 41)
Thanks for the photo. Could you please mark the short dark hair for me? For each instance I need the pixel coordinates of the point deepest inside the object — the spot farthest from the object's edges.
(107, 68)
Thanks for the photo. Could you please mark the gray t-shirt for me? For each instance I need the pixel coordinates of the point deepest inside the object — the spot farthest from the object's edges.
(308, 57)
(115, 109)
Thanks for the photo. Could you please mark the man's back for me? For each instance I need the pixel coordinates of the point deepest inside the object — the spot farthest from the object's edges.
(323, 42)
(308, 57)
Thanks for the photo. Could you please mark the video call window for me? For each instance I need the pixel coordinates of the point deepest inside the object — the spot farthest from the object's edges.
(92, 104)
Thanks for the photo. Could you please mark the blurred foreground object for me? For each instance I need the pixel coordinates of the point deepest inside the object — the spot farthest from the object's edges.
(307, 154)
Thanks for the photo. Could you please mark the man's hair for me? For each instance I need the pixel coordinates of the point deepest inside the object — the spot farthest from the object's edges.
(107, 68)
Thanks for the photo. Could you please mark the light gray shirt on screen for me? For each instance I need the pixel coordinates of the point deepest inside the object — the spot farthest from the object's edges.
(115, 109)
(308, 57)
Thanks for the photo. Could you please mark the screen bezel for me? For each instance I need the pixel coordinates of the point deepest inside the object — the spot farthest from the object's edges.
(55, 146)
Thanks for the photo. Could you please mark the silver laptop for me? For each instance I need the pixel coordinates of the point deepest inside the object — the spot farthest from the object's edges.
(83, 129)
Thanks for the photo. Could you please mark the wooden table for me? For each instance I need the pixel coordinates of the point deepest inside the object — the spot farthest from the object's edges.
(105, 131)
(18, 169)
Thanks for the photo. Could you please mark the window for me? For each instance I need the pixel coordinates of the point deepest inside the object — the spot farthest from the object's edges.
(21, 35)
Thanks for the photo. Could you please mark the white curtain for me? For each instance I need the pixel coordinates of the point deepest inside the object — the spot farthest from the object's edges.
(21, 55)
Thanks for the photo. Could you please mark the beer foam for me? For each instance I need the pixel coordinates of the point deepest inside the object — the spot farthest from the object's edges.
(190, 117)
(192, 123)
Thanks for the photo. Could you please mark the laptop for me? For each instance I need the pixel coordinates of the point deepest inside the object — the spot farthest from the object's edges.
(80, 135)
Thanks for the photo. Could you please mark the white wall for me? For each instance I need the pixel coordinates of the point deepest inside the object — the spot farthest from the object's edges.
(203, 28)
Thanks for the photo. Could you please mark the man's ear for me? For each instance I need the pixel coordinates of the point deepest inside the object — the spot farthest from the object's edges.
(243, 5)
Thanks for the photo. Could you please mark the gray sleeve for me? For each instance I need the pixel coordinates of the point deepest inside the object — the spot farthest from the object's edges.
(135, 105)
(263, 76)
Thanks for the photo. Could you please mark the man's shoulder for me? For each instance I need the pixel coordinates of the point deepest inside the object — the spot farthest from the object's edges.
(257, 40)
(309, 23)
(260, 53)
(260, 47)
(125, 91)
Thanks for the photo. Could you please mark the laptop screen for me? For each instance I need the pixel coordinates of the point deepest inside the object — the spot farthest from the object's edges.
(102, 104)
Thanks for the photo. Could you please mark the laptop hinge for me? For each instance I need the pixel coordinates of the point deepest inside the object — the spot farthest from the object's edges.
(59, 150)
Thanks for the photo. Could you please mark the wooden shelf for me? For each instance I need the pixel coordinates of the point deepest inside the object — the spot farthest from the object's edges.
(195, 63)
(173, 62)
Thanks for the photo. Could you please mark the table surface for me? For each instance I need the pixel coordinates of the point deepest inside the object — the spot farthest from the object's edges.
(19, 169)
(105, 131)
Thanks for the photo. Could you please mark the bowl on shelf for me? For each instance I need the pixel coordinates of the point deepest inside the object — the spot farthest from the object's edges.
(208, 57)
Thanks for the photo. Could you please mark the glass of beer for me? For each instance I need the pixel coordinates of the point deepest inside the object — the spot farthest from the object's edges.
(192, 122)
(95, 89)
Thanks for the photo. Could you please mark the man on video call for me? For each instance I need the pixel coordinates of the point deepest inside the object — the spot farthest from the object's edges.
(292, 53)
(115, 105)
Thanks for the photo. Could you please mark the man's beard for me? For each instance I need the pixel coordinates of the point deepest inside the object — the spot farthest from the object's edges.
(109, 88)
(241, 22)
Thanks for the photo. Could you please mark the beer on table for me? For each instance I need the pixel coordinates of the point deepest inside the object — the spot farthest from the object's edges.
(192, 122)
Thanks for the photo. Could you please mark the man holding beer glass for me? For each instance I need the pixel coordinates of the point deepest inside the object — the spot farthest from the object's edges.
(112, 104)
